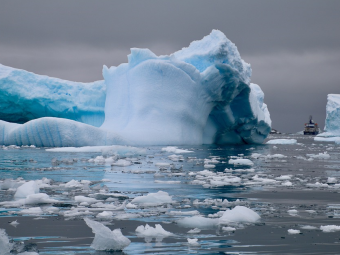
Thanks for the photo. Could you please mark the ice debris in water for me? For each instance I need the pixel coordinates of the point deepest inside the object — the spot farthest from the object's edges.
(173, 149)
(324, 155)
(154, 232)
(330, 228)
(153, 199)
(228, 229)
(239, 214)
(194, 231)
(282, 141)
(293, 231)
(206, 82)
(105, 239)
(193, 242)
(241, 161)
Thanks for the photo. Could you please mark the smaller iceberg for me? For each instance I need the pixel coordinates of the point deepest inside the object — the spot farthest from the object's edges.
(105, 239)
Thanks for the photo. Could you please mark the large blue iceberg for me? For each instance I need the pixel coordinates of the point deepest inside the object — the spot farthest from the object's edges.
(198, 95)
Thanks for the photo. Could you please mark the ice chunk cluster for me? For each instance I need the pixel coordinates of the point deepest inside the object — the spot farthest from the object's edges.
(332, 123)
(198, 95)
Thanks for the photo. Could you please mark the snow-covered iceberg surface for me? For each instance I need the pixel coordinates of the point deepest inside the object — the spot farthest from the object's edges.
(26, 96)
(200, 94)
(332, 123)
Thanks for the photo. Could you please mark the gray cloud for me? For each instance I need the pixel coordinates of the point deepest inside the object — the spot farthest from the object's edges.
(293, 46)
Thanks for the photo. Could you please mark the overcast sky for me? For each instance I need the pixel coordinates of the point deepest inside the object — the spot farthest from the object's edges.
(293, 46)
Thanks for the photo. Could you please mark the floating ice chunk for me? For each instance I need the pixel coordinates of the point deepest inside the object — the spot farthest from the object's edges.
(32, 211)
(330, 228)
(308, 227)
(327, 139)
(105, 239)
(153, 232)
(131, 206)
(239, 214)
(206, 173)
(122, 163)
(194, 231)
(324, 155)
(153, 199)
(173, 149)
(209, 166)
(198, 222)
(283, 177)
(293, 231)
(81, 199)
(264, 180)
(287, 184)
(331, 180)
(293, 212)
(162, 164)
(282, 141)
(176, 213)
(72, 184)
(275, 156)
(256, 155)
(167, 182)
(39, 198)
(228, 229)
(14, 223)
(317, 185)
(193, 242)
(26, 189)
(106, 215)
(244, 162)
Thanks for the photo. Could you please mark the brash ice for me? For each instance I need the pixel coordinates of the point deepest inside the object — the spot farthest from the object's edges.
(199, 95)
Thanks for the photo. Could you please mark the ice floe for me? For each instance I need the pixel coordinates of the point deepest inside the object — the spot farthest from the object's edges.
(282, 141)
(105, 239)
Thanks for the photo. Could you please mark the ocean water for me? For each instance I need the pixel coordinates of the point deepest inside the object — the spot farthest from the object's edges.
(289, 186)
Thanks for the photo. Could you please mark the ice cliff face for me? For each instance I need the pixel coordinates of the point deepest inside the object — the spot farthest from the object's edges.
(26, 96)
(332, 123)
(200, 94)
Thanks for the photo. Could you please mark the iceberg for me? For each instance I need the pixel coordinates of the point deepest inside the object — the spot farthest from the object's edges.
(332, 123)
(198, 95)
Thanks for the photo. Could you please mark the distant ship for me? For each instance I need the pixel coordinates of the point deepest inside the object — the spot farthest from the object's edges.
(311, 128)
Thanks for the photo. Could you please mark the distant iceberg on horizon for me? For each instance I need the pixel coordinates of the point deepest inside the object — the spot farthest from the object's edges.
(198, 95)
